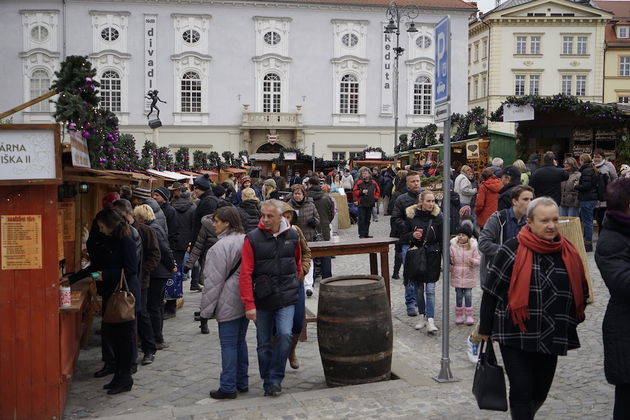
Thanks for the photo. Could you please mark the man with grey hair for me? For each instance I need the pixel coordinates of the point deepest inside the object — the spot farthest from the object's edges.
(270, 269)
(496, 165)
(366, 193)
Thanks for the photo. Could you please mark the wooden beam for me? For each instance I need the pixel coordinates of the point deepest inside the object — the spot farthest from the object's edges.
(29, 103)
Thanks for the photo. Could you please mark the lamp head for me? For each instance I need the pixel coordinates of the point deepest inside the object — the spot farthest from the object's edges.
(412, 28)
(391, 27)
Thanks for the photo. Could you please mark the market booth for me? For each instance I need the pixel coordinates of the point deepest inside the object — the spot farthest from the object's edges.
(45, 212)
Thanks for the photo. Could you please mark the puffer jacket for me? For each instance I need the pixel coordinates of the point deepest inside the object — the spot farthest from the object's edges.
(221, 298)
(308, 216)
(487, 199)
(164, 269)
(160, 218)
(417, 218)
(206, 238)
(249, 211)
(587, 187)
(325, 208)
(185, 219)
(569, 196)
(464, 263)
(612, 256)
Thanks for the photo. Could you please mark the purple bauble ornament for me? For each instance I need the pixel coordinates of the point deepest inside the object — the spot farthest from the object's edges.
(88, 80)
(86, 134)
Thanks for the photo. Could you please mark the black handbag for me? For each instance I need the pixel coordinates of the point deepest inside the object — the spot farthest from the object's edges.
(489, 382)
(416, 266)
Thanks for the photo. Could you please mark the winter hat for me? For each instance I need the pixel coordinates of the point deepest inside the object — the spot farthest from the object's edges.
(244, 178)
(176, 186)
(165, 193)
(624, 169)
(141, 193)
(202, 182)
(109, 199)
(511, 171)
(466, 230)
(271, 183)
(249, 194)
(218, 190)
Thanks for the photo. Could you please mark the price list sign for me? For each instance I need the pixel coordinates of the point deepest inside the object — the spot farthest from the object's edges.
(21, 242)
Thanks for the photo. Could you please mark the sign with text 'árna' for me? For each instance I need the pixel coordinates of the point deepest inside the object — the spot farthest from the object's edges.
(28, 155)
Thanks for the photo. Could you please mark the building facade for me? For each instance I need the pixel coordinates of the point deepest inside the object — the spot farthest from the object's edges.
(617, 59)
(236, 75)
(542, 47)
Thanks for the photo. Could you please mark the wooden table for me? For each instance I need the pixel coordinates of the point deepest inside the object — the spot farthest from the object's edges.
(372, 246)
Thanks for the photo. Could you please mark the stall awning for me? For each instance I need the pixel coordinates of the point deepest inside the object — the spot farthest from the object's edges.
(264, 156)
(167, 175)
(235, 170)
(102, 176)
(376, 162)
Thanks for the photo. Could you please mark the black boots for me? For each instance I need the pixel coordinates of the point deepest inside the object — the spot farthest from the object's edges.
(108, 369)
(397, 265)
(121, 383)
(204, 326)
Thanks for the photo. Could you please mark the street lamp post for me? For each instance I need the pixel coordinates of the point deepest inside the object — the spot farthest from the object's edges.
(395, 13)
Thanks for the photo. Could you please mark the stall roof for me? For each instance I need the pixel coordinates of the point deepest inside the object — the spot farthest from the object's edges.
(235, 170)
(102, 176)
(167, 175)
(373, 162)
(264, 156)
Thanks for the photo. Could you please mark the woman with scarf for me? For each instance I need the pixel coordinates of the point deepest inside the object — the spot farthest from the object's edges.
(613, 260)
(533, 300)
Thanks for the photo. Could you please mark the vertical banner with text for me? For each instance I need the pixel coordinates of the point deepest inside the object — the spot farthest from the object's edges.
(150, 53)
(387, 72)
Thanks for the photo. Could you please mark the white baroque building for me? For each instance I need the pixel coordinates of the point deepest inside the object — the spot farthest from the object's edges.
(239, 74)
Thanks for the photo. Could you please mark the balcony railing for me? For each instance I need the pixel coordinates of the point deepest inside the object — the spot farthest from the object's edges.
(272, 119)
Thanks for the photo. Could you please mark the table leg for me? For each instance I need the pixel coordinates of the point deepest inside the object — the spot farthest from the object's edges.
(373, 264)
(385, 273)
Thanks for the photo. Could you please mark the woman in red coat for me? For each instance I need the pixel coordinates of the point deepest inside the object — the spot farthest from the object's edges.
(487, 196)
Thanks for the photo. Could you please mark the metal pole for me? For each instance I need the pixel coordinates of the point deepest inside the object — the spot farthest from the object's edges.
(396, 54)
(445, 374)
(313, 154)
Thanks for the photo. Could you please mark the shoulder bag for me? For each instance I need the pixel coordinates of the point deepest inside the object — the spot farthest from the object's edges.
(489, 382)
(121, 306)
(416, 261)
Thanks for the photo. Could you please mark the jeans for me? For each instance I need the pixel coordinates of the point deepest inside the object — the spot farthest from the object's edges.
(415, 296)
(155, 307)
(463, 294)
(530, 376)
(600, 212)
(365, 214)
(273, 361)
(234, 362)
(586, 214)
(325, 267)
(568, 211)
(145, 329)
(300, 312)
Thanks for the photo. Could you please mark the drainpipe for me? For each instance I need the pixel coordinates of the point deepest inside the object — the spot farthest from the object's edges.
(488, 72)
(63, 50)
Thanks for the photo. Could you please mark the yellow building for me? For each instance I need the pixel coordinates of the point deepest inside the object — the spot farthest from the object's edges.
(541, 47)
(617, 57)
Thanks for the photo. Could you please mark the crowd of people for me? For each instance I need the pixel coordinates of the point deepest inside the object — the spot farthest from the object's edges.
(244, 243)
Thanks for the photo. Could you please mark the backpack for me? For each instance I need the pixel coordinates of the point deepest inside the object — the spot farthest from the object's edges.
(602, 183)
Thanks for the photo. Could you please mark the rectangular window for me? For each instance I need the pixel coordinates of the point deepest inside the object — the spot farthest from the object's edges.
(191, 94)
(349, 98)
(476, 51)
(624, 99)
(355, 155)
(581, 45)
(469, 54)
(339, 155)
(580, 85)
(622, 32)
(519, 85)
(521, 45)
(534, 84)
(534, 45)
(484, 49)
(567, 81)
(484, 82)
(476, 89)
(567, 45)
(624, 66)
(40, 84)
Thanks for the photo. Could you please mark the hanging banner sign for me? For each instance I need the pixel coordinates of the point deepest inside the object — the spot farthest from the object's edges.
(512, 113)
(150, 55)
(79, 149)
(387, 75)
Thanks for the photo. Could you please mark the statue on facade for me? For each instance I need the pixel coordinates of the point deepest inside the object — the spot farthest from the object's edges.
(153, 95)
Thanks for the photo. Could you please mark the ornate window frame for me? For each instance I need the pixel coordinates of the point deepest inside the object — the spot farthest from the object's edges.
(105, 19)
(280, 25)
(183, 22)
(418, 67)
(32, 61)
(48, 19)
(118, 62)
(272, 63)
(182, 64)
(358, 68)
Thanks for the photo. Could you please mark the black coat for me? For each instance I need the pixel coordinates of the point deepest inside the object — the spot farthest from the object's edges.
(587, 187)
(171, 221)
(547, 181)
(505, 195)
(325, 209)
(416, 218)
(613, 260)
(185, 212)
(397, 221)
(208, 204)
(164, 269)
(249, 211)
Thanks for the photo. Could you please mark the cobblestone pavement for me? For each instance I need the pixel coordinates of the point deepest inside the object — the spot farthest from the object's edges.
(176, 385)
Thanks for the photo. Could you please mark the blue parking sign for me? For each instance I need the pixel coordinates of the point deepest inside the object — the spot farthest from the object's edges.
(442, 38)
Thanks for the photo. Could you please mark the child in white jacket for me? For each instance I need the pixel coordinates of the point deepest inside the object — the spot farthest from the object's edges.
(464, 260)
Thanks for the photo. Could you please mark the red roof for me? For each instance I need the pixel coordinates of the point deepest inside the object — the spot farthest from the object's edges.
(427, 4)
(611, 34)
(618, 8)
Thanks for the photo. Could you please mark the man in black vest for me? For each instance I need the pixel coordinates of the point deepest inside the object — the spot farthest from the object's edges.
(270, 267)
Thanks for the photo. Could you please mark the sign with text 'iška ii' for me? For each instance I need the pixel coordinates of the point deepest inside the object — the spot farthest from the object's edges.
(27, 155)
(150, 56)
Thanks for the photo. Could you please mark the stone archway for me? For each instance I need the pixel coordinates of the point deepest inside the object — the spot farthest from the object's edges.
(270, 148)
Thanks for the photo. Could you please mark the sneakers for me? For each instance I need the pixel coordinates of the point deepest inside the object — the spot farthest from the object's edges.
(431, 328)
(412, 311)
(220, 395)
(396, 276)
(472, 350)
(469, 316)
(273, 391)
(196, 288)
(421, 324)
(148, 359)
(459, 315)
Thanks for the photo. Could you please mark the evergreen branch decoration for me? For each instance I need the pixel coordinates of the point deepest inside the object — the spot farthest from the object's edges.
(182, 159)
(200, 160)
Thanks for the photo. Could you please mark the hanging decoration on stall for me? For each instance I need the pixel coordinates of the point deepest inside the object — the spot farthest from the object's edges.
(79, 150)
(472, 150)
(21, 245)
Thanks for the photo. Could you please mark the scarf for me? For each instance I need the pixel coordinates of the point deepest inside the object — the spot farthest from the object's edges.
(518, 293)
(619, 216)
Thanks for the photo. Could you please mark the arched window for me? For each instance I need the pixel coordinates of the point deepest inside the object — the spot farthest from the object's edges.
(111, 93)
(422, 97)
(191, 92)
(349, 95)
(271, 93)
(40, 84)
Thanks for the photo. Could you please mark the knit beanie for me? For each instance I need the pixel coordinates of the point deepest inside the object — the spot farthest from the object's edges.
(270, 182)
(202, 182)
(165, 193)
(218, 190)
(465, 229)
(141, 193)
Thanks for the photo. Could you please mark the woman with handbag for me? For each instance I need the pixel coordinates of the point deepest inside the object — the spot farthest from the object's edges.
(221, 300)
(533, 298)
(122, 267)
(422, 254)
(308, 221)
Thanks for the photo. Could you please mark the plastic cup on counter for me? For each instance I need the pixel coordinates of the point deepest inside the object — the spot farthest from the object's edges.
(65, 297)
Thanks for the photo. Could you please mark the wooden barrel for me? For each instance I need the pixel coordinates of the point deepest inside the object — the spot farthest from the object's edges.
(354, 330)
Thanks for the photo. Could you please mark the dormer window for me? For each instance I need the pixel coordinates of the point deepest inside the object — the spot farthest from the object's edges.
(622, 31)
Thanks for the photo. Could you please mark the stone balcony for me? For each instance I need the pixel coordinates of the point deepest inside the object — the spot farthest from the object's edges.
(275, 120)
